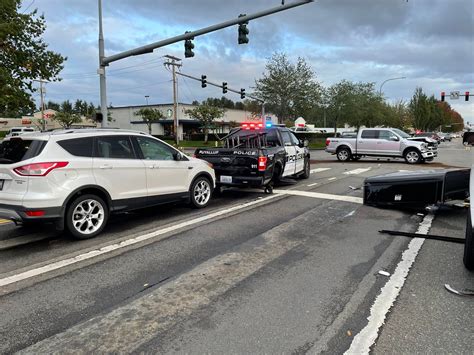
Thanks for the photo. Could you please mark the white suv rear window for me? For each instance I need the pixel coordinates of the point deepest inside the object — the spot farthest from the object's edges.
(16, 150)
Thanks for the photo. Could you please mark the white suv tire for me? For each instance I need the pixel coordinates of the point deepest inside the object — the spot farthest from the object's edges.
(86, 216)
(200, 192)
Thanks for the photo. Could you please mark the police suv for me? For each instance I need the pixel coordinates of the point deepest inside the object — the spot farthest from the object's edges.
(258, 155)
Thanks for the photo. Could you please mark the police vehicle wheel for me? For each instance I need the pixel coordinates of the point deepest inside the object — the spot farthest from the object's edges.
(469, 245)
(268, 189)
(344, 154)
(306, 169)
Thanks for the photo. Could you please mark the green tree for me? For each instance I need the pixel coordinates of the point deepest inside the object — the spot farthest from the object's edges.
(66, 115)
(420, 109)
(289, 90)
(149, 116)
(206, 114)
(23, 57)
(53, 105)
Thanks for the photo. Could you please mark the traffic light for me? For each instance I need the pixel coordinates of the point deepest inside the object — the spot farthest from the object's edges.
(203, 81)
(466, 97)
(243, 32)
(442, 95)
(188, 48)
(224, 87)
(242, 94)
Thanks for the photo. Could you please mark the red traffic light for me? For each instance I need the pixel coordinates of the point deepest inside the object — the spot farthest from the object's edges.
(466, 97)
(442, 95)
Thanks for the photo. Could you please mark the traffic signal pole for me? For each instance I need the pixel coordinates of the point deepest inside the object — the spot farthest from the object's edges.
(105, 61)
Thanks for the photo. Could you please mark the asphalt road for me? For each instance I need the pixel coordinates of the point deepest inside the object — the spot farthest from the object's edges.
(293, 272)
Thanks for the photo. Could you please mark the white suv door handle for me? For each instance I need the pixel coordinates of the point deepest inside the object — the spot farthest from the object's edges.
(106, 166)
(152, 166)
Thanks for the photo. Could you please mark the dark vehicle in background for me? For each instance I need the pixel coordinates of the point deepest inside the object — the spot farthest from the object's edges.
(468, 138)
(258, 156)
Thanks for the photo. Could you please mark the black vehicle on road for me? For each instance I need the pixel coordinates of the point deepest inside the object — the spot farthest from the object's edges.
(255, 155)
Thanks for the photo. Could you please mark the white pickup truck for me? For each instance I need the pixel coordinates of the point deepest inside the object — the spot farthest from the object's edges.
(383, 142)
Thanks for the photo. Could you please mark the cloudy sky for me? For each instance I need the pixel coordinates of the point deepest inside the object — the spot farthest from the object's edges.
(430, 42)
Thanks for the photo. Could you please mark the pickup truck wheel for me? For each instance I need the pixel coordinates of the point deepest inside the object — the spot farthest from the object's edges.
(344, 154)
(86, 216)
(469, 245)
(412, 156)
(306, 170)
(200, 192)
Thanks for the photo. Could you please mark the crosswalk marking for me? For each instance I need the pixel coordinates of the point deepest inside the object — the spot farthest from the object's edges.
(357, 171)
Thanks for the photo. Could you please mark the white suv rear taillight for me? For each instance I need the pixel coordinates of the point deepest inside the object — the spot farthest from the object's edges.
(39, 169)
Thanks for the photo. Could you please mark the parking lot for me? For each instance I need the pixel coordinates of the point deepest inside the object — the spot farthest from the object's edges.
(296, 271)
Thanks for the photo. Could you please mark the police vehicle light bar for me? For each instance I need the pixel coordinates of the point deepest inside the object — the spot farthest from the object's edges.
(252, 125)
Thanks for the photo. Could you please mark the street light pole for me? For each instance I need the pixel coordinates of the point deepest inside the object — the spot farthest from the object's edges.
(146, 98)
(380, 90)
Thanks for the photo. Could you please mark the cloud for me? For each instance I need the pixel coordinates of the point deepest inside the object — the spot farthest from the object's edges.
(428, 41)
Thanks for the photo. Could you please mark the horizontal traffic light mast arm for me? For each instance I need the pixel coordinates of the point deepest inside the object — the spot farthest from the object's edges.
(220, 86)
(190, 35)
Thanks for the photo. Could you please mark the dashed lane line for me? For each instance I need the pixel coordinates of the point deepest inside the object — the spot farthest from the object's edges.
(110, 248)
(332, 179)
(357, 171)
(313, 184)
(319, 170)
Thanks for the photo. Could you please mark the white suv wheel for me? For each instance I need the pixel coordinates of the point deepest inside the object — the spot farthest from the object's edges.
(201, 192)
(87, 216)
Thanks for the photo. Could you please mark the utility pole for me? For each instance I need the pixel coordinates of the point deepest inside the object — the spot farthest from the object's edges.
(173, 62)
(101, 71)
(42, 92)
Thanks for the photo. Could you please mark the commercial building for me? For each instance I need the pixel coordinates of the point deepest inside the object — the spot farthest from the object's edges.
(125, 117)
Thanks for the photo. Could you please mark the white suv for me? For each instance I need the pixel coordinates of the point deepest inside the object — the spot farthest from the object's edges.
(75, 178)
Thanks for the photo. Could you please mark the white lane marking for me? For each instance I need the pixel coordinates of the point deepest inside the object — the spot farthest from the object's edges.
(357, 171)
(314, 184)
(349, 214)
(319, 170)
(331, 179)
(319, 195)
(109, 248)
(364, 340)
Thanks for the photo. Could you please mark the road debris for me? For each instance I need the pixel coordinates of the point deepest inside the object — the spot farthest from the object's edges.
(424, 236)
(460, 293)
